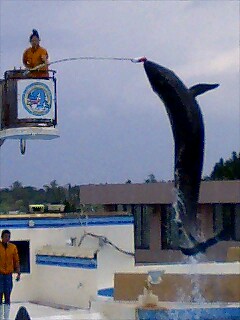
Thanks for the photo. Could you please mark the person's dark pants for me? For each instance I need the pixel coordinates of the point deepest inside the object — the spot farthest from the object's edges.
(6, 285)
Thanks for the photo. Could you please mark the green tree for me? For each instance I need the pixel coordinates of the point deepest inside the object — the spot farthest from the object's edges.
(20, 206)
(226, 170)
(54, 193)
(151, 179)
(17, 197)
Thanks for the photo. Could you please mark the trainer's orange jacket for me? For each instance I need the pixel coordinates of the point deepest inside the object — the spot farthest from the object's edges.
(33, 58)
(9, 259)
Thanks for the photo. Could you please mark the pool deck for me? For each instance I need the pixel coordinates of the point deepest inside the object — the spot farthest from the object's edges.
(40, 312)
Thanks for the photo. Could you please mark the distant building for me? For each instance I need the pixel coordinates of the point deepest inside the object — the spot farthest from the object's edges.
(219, 206)
(13, 212)
(41, 208)
(55, 207)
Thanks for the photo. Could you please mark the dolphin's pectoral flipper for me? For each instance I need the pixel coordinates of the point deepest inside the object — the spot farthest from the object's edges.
(201, 88)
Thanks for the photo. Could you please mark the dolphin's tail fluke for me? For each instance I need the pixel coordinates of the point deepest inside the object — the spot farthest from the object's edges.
(22, 314)
(201, 247)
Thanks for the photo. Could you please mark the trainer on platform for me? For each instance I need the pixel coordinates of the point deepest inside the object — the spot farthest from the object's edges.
(35, 56)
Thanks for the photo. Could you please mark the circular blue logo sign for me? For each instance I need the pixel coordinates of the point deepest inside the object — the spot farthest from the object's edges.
(37, 99)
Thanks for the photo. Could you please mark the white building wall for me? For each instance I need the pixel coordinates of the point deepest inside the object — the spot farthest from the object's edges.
(25, 290)
(109, 259)
(66, 286)
(72, 286)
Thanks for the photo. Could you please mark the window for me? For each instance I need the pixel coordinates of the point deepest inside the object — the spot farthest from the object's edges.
(141, 215)
(237, 222)
(224, 217)
(24, 255)
(122, 208)
(169, 230)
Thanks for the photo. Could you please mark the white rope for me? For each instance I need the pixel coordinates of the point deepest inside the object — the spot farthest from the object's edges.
(134, 60)
(104, 240)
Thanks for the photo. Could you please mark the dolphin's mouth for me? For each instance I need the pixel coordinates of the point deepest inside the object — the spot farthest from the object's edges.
(156, 74)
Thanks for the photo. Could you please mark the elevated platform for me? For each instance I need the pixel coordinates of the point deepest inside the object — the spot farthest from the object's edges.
(37, 133)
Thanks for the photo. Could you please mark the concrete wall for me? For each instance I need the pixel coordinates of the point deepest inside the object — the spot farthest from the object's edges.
(180, 287)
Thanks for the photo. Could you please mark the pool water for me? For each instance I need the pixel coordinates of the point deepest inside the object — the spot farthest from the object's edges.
(178, 311)
(230, 313)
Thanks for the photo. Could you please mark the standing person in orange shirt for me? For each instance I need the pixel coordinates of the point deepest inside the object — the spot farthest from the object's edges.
(9, 263)
(35, 56)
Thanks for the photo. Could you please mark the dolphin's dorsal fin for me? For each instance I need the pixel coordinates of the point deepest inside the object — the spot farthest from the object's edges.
(201, 88)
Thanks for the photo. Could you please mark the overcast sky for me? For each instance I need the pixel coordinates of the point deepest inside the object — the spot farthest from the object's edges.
(112, 126)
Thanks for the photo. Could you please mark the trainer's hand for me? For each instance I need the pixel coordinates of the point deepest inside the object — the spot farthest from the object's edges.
(18, 277)
(44, 58)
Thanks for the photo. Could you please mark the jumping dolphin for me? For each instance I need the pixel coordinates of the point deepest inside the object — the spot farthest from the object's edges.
(188, 132)
(22, 314)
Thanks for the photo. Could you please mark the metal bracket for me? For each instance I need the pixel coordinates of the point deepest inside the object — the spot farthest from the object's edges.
(22, 146)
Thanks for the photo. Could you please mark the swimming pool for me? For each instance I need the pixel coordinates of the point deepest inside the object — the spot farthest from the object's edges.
(217, 313)
(181, 311)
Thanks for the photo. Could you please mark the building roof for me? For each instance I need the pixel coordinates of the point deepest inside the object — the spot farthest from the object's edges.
(157, 193)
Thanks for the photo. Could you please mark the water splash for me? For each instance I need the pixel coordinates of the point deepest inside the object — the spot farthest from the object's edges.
(178, 211)
(178, 205)
(195, 296)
